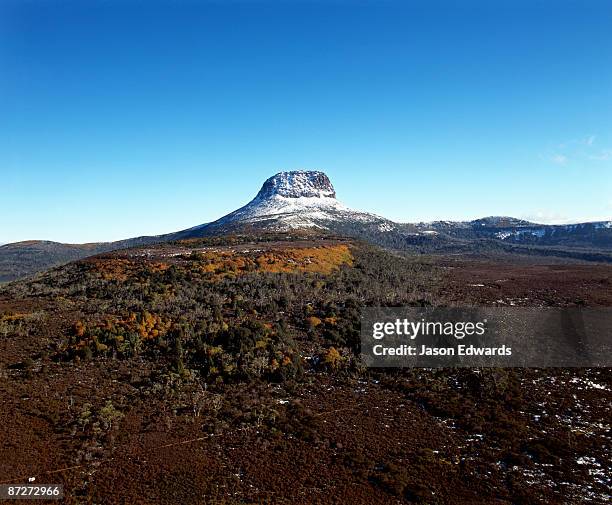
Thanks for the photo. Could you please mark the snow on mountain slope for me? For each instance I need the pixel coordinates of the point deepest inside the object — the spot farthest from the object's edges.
(299, 199)
(518, 231)
(307, 199)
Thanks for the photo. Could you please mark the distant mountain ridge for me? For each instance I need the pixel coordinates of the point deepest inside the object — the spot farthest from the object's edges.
(306, 199)
(517, 231)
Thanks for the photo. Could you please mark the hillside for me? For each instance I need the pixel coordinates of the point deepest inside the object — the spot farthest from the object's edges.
(228, 368)
(306, 200)
(20, 259)
(594, 235)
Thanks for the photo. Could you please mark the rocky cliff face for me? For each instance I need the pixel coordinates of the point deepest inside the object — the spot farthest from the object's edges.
(297, 184)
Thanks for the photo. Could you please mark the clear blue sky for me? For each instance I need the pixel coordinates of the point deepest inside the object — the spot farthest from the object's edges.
(122, 118)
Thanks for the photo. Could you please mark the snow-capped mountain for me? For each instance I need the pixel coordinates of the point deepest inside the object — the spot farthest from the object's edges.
(296, 199)
(518, 231)
(307, 200)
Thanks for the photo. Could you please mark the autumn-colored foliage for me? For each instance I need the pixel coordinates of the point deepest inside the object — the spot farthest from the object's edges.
(79, 329)
(218, 264)
(12, 316)
(332, 358)
(118, 332)
(321, 259)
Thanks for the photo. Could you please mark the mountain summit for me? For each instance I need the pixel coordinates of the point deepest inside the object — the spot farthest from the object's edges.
(297, 184)
(290, 200)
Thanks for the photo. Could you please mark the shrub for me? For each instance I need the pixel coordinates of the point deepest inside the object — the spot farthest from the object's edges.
(332, 358)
